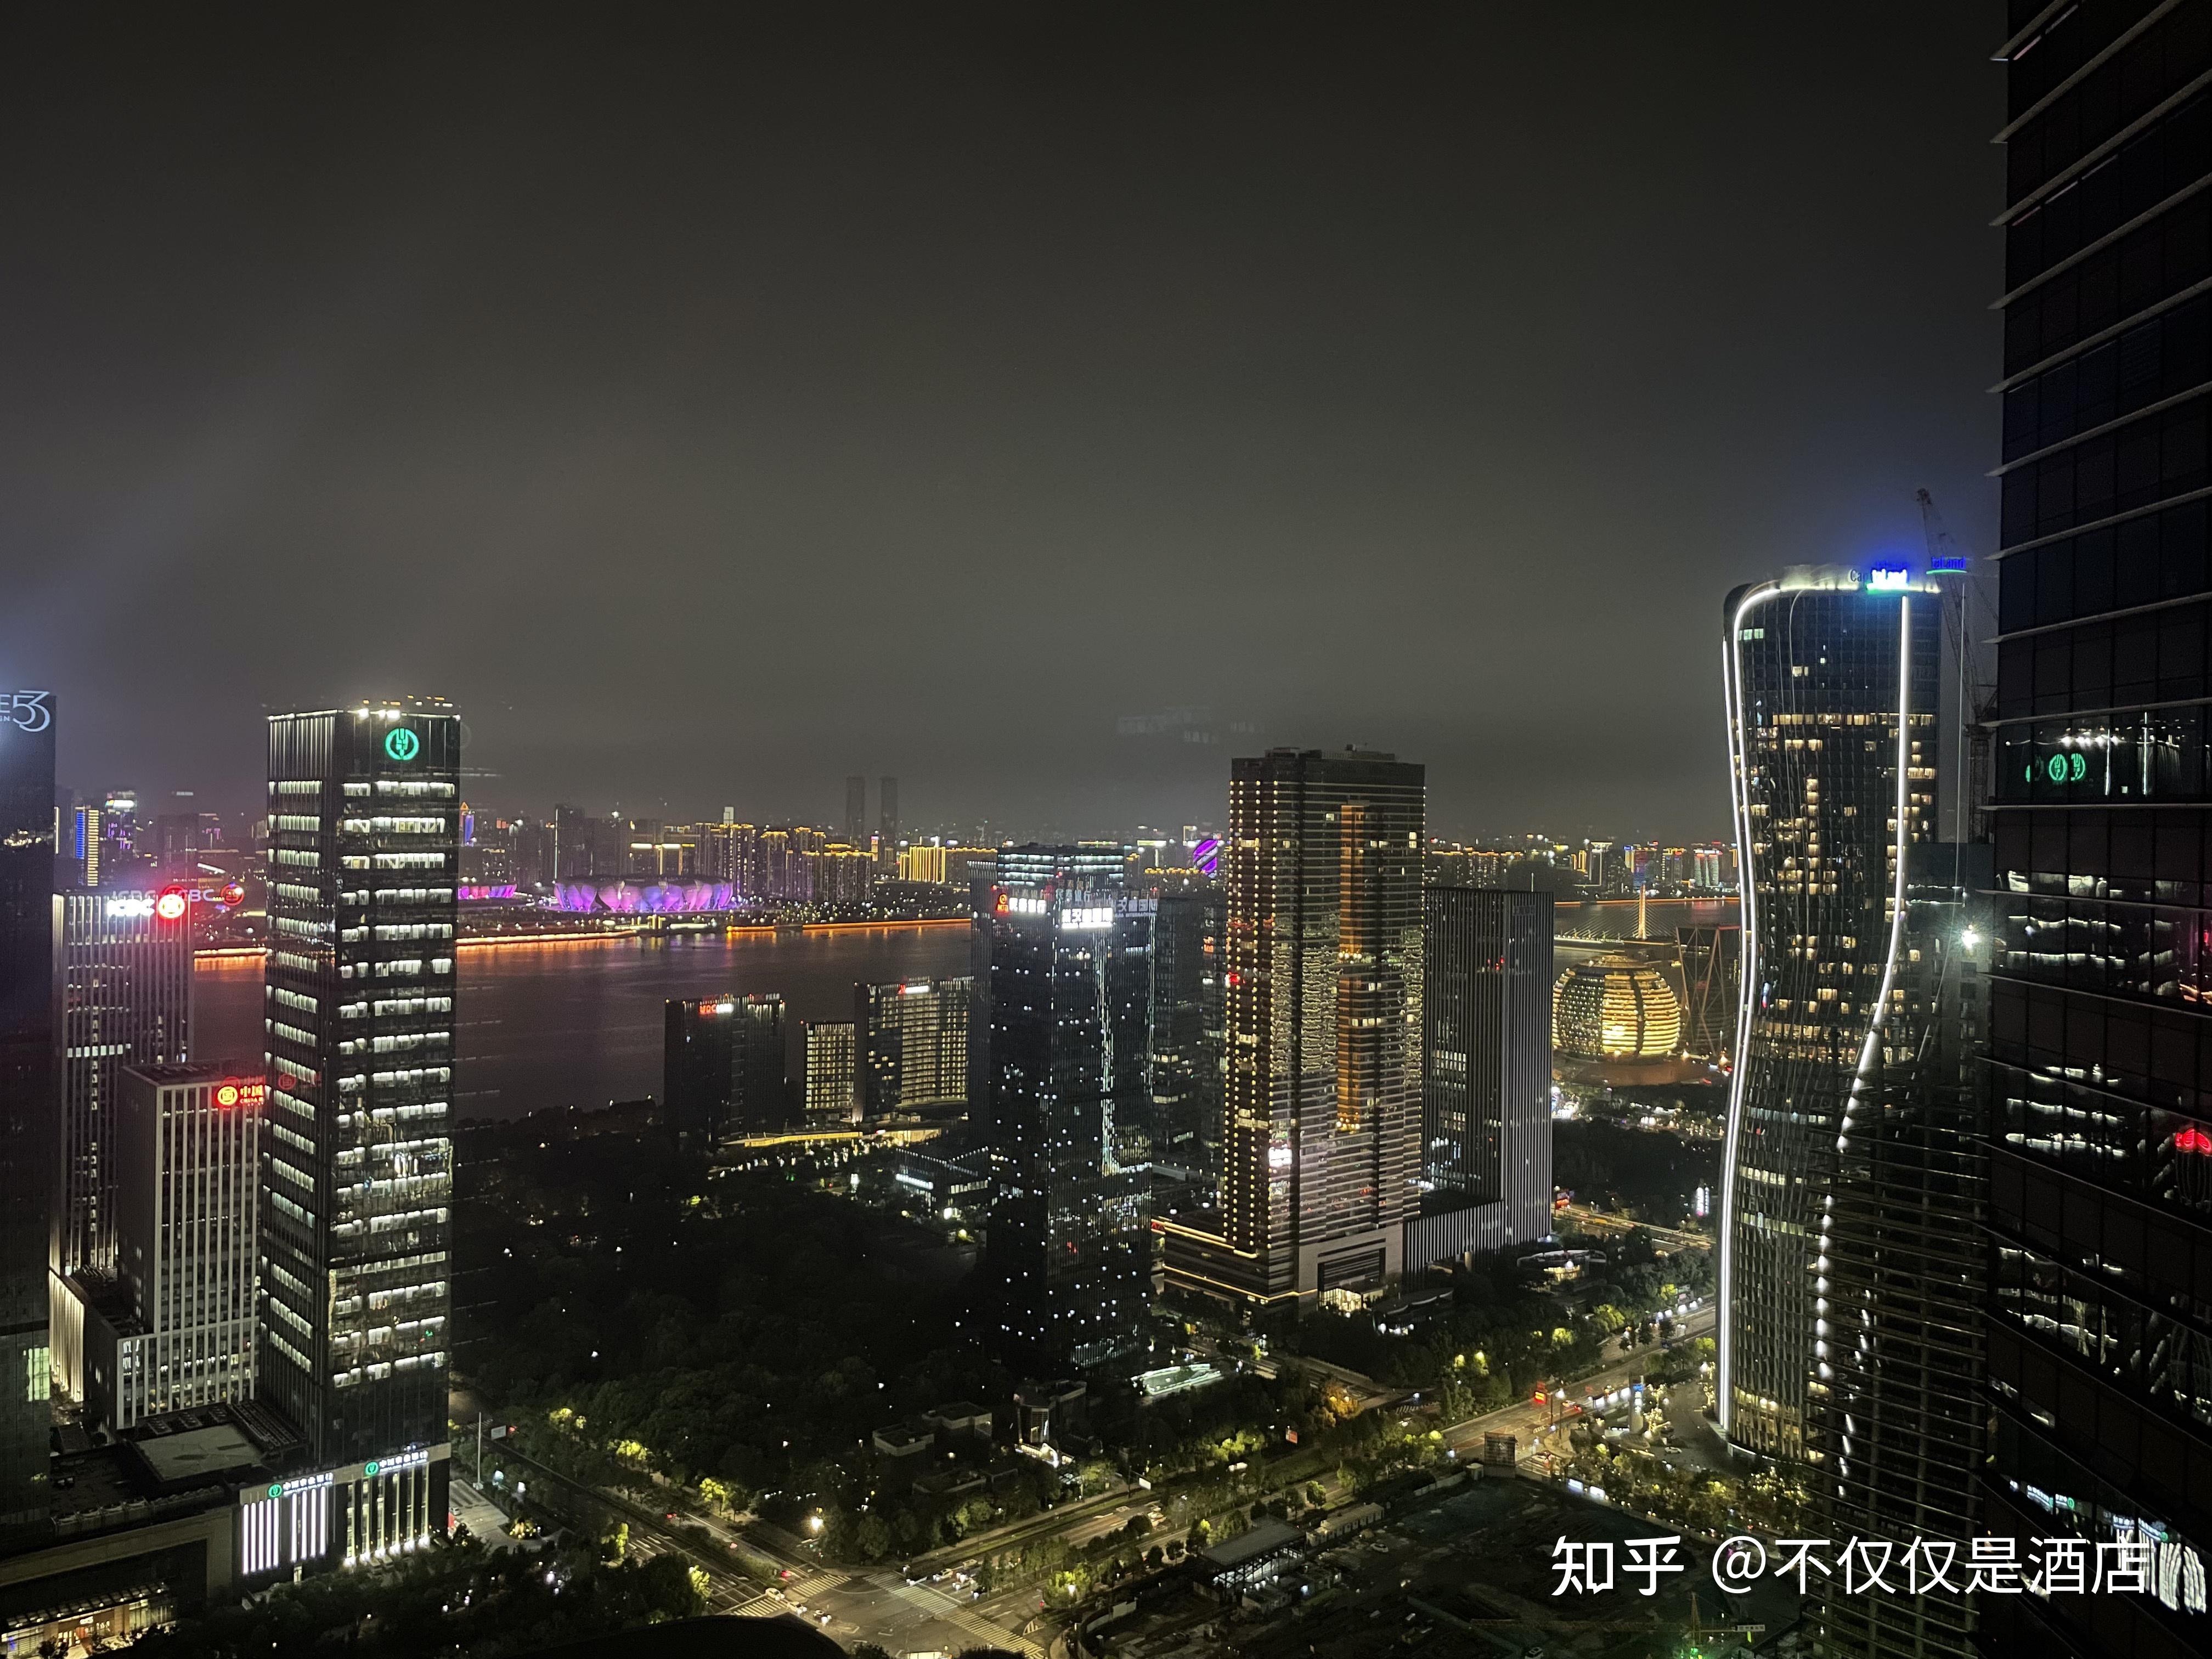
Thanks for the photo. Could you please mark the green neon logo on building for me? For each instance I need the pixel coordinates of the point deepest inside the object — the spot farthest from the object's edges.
(401, 744)
(276, 1491)
(2067, 768)
(371, 1467)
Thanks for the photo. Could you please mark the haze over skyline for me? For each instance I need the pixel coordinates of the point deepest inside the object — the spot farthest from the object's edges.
(786, 397)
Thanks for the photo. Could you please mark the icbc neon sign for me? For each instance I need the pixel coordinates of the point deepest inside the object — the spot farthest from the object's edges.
(172, 904)
(240, 1092)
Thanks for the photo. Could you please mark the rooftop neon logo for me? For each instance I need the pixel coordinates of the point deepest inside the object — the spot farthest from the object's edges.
(1205, 857)
(401, 744)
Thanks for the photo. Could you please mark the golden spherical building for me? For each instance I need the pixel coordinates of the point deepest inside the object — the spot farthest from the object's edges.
(1615, 1008)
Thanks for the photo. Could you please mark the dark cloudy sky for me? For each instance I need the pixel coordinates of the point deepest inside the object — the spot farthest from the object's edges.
(714, 401)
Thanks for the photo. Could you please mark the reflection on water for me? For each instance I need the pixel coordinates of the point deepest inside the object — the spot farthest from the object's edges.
(581, 1025)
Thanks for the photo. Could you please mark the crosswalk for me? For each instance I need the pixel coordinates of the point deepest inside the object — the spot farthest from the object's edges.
(986, 1633)
(805, 1588)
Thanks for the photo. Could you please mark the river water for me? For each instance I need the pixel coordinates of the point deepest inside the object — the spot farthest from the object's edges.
(580, 1025)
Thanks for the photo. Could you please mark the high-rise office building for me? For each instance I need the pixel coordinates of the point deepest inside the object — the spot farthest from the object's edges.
(838, 874)
(856, 811)
(571, 847)
(127, 1000)
(1896, 1436)
(1486, 1072)
(87, 848)
(722, 1067)
(914, 1044)
(887, 820)
(356, 1167)
(2100, 1070)
(727, 852)
(1322, 982)
(1186, 1033)
(28, 1129)
(1067, 951)
(175, 1327)
(830, 1081)
(1831, 700)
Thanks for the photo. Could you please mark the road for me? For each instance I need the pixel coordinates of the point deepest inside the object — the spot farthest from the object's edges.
(757, 1569)
(1673, 1238)
(1528, 1422)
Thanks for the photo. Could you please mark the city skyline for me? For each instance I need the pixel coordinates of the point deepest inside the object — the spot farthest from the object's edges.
(998, 899)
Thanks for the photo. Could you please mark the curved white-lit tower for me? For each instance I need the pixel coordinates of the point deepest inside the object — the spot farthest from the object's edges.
(1831, 683)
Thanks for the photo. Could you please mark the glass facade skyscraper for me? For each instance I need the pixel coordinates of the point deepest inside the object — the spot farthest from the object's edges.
(1831, 692)
(27, 1145)
(2100, 1077)
(1322, 980)
(1185, 1031)
(1068, 955)
(1486, 1070)
(724, 1071)
(127, 1000)
(357, 1157)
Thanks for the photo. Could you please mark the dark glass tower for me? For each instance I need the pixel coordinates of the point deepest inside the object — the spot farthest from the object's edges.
(1322, 987)
(356, 1162)
(27, 1149)
(2099, 1335)
(1831, 691)
(1069, 1111)
(723, 1068)
(1186, 1020)
(1899, 1426)
(1486, 1069)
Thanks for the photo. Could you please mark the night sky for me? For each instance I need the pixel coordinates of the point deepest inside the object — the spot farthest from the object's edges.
(717, 401)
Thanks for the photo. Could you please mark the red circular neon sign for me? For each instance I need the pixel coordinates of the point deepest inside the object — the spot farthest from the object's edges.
(171, 905)
(227, 1095)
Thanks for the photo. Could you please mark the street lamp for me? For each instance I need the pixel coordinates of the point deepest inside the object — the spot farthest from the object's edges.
(814, 1523)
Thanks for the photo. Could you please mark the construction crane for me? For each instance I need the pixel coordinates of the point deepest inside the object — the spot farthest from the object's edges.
(1969, 620)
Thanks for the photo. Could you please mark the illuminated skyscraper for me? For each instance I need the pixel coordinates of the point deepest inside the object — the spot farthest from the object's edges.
(1896, 1436)
(127, 1000)
(2100, 1328)
(831, 1084)
(914, 1044)
(28, 1139)
(357, 1172)
(856, 811)
(888, 819)
(1069, 1262)
(177, 1331)
(1831, 693)
(1322, 982)
(88, 844)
